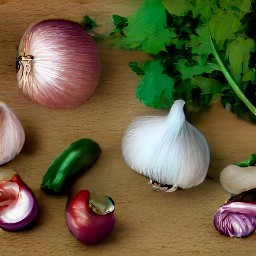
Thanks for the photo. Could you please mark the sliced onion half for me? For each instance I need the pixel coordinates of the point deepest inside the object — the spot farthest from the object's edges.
(18, 204)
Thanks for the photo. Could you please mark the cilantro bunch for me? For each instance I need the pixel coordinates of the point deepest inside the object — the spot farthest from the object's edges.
(201, 50)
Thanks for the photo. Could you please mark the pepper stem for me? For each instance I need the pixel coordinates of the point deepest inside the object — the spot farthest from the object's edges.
(100, 204)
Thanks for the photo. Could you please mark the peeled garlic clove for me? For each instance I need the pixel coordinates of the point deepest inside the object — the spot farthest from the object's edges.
(12, 134)
(235, 179)
(168, 150)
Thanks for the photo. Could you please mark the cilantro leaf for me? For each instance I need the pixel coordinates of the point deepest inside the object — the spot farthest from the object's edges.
(119, 23)
(220, 30)
(200, 43)
(156, 88)
(238, 52)
(208, 85)
(199, 68)
(199, 92)
(136, 68)
(203, 8)
(147, 30)
(237, 5)
(177, 7)
(88, 23)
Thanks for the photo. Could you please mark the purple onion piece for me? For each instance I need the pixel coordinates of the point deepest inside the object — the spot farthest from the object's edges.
(18, 204)
(236, 219)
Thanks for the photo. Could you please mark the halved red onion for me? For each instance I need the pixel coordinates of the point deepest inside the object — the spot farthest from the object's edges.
(58, 64)
(90, 218)
(18, 204)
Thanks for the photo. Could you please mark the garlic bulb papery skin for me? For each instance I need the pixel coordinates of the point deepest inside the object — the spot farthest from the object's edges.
(58, 64)
(168, 150)
(12, 135)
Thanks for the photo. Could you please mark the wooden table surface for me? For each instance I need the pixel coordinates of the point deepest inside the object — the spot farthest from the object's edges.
(148, 222)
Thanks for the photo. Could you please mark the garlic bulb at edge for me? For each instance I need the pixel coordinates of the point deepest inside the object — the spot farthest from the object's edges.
(12, 135)
(168, 150)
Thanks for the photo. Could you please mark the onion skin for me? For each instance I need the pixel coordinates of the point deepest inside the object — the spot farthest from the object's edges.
(87, 226)
(18, 204)
(58, 64)
(236, 219)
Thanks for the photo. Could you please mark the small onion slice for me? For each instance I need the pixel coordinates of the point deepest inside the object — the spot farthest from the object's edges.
(18, 204)
(58, 64)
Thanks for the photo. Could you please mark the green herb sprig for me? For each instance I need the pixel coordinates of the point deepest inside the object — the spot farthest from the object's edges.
(201, 50)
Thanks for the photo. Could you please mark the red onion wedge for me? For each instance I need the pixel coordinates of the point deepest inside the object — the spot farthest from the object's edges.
(90, 218)
(237, 217)
(18, 204)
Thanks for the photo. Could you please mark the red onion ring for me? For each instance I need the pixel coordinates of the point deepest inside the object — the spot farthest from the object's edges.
(58, 64)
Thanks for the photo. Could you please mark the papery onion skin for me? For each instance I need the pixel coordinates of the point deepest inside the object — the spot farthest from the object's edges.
(12, 136)
(20, 212)
(87, 226)
(58, 64)
(236, 219)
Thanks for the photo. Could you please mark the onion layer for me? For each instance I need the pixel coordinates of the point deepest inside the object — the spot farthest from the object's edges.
(18, 204)
(58, 64)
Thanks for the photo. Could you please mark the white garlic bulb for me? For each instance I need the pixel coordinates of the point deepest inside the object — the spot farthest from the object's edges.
(168, 150)
(12, 135)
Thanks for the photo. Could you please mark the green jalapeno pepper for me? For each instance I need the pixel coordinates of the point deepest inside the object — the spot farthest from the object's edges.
(77, 157)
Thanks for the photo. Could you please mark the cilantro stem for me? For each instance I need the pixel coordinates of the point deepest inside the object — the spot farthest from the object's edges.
(231, 81)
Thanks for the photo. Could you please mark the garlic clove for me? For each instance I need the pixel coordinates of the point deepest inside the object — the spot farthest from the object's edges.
(235, 179)
(168, 150)
(12, 136)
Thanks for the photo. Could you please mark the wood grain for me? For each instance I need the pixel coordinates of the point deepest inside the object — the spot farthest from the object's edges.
(148, 222)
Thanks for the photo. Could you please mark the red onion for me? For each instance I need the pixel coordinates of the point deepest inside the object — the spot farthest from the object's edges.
(18, 204)
(236, 219)
(90, 219)
(58, 64)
